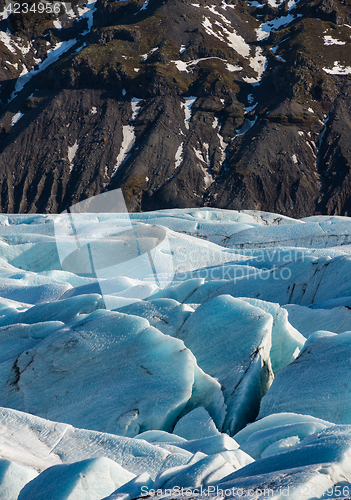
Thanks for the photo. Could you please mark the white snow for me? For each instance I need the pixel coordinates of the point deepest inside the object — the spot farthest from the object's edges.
(208, 177)
(12, 43)
(212, 8)
(259, 64)
(264, 30)
(223, 146)
(222, 143)
(184, 66)
(232, 39)
(254, 3)
(292, 4)
(275, 3)
(15, 118)
(52, 56)
(57, 24)
(231, 67)
(225, 5)
(5, 38)
(189, 101)
(128, 141)
(338, 69)
(147, 55)
(87, 12)
(72, 150)
(128, 135)
(144, 6)
(15, 65)
(329, 40)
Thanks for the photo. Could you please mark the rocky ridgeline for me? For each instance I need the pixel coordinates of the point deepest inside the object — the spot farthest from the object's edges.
(242, 105)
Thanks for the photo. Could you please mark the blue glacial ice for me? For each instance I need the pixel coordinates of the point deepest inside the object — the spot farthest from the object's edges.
(226, 368)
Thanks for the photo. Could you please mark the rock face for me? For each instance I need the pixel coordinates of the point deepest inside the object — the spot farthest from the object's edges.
(242, 105)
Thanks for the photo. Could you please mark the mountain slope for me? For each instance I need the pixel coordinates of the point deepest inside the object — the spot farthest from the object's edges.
(240, 106)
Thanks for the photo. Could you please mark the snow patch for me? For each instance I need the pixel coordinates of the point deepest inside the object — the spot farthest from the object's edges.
(259, 64)
(208, 178)
(338, 69)
(184, 66)
(15, 65)
(179, 156)
(87, 13)
(232, 68)
(223, 147)
(52, 56)
(57, 24)
(147, 55)
(189, 101)
(7, 41)
(127, 144)
(246, 126)
(329, 40)
(212, 8)
(232, 39)
(265, 29)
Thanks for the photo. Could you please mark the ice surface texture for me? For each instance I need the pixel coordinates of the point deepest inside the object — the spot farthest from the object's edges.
(234, 375)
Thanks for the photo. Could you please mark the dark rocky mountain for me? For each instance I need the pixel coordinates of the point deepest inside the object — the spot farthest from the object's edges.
(231, 104)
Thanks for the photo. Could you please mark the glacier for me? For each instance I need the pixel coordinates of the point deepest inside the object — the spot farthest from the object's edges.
(177, 353)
